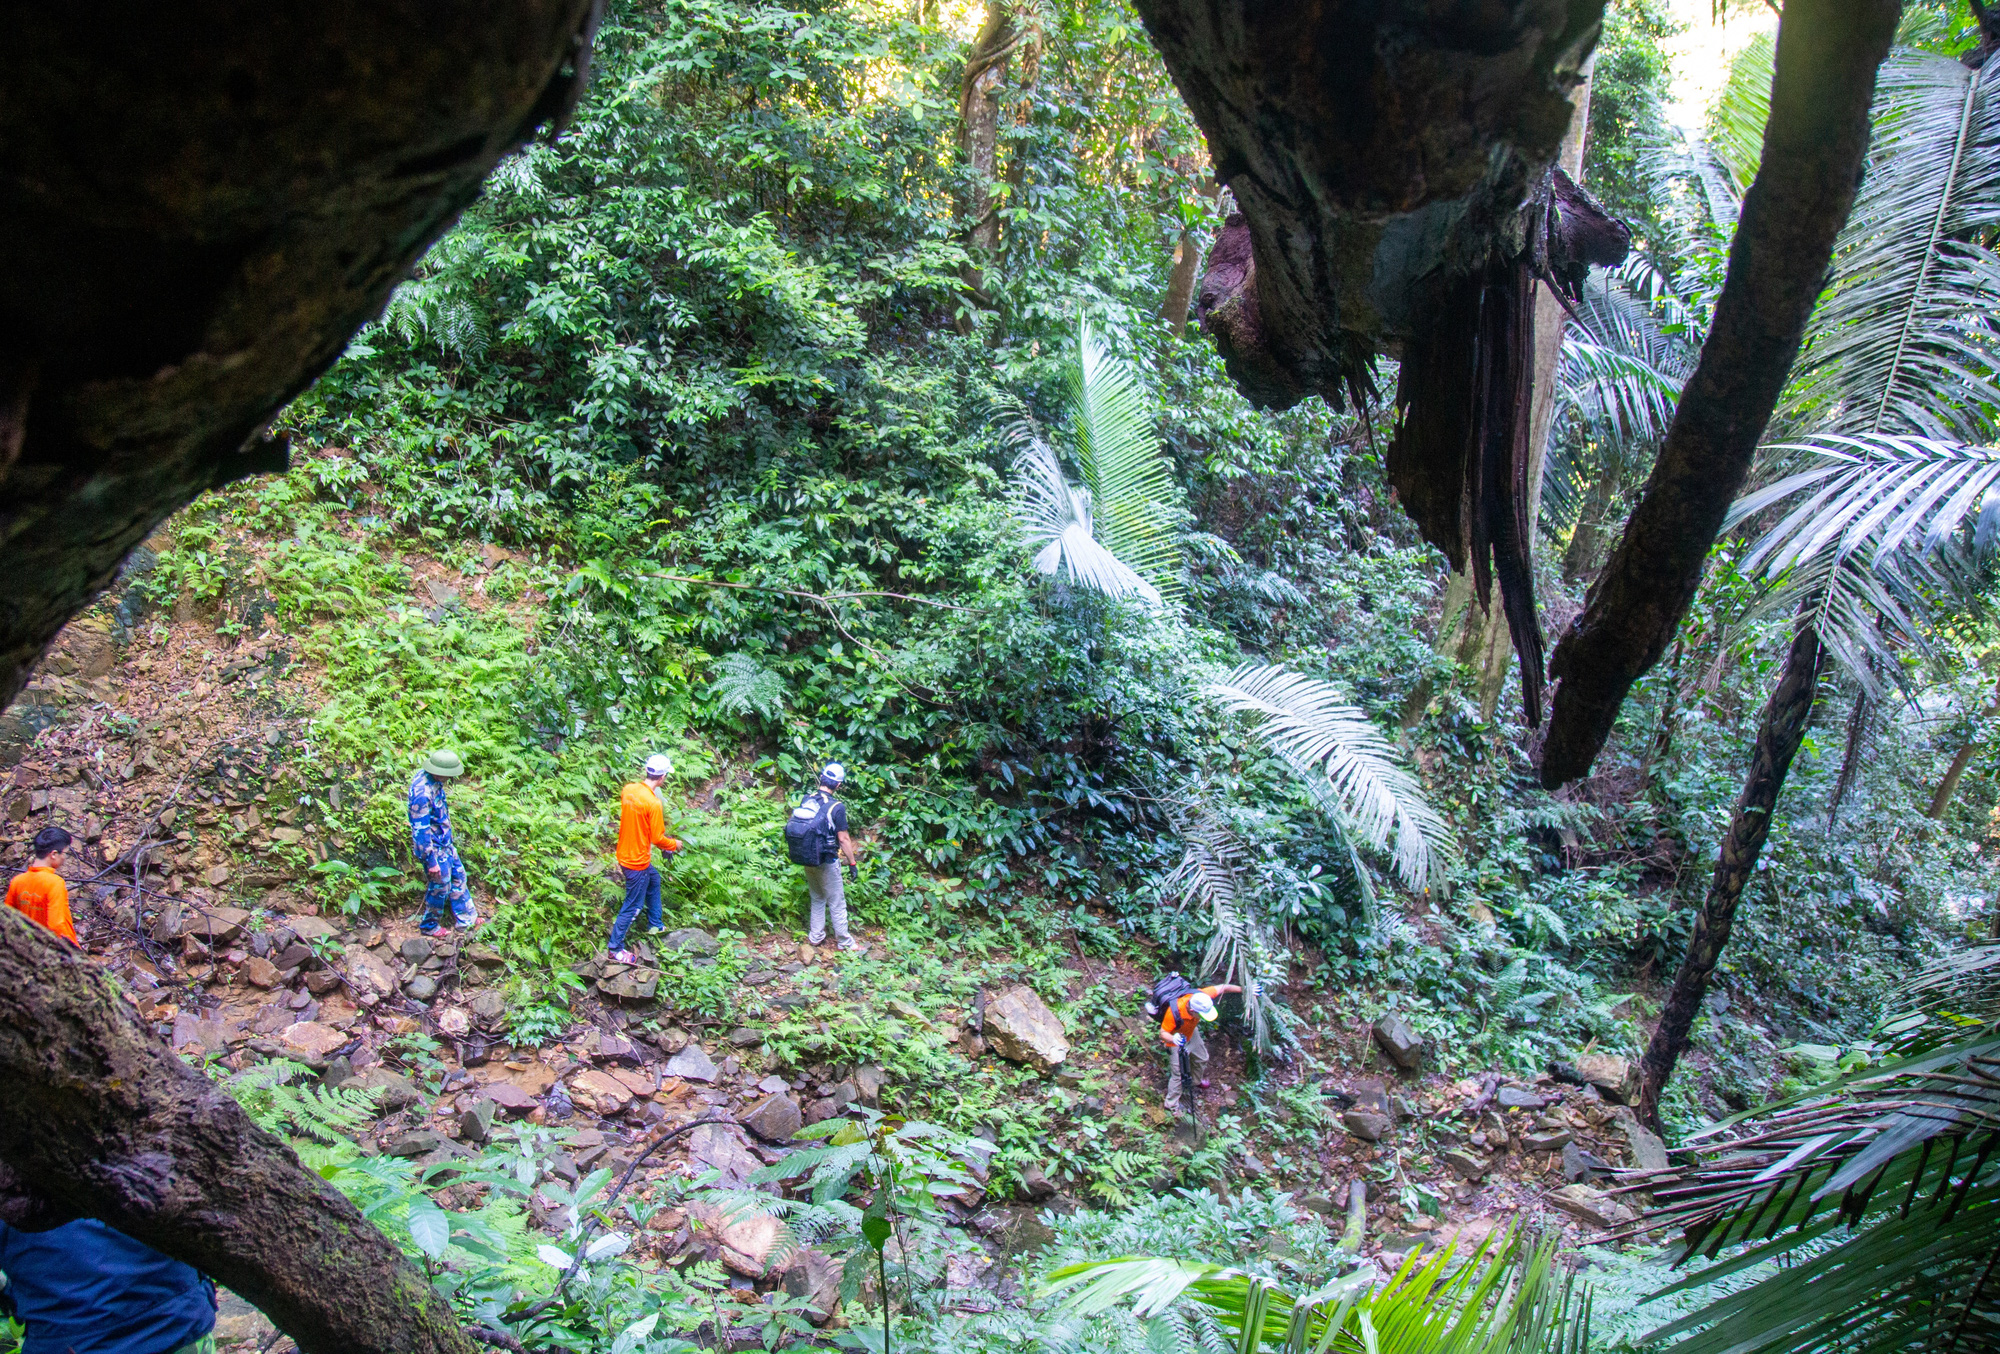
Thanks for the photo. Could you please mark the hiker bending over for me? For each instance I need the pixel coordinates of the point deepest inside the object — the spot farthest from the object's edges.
(642, 825)
(79, 1287)
(1180, 1024)
(40, 894)
(816, 838)
(430, 839)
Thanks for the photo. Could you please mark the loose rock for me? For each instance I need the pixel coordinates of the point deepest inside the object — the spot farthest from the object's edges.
(1366, 1125)
(1589, 1205)
(775, 1118)
(692, 1064)
(1022, 1029)
(1403, 1045)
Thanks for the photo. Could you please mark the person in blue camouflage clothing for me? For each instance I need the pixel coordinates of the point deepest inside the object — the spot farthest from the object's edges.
(430, 838)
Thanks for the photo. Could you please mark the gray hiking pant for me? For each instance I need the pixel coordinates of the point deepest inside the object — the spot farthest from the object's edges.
(1200, 1052)
(828, 895)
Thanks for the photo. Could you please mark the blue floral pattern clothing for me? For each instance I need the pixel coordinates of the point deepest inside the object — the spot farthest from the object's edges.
(431, 840)
(430, 823)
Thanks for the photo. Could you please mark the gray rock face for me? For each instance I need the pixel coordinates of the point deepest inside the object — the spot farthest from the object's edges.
(488, 1007)
(814, 1276)
(1648, 1152)
(775, 1118)
(398, 1091)
(1581, 1164)
(868, 1083)
(1548, 1140)
(1615, 1078)
(630, 985)
(692, 941)
(420, 988)
(1035, 1183)
(419, 1143)
(1366, 1125)
(692, 1064)
(720, 1147)
(476, 1124)
(1020, 1028)
(1465, 1164)
(745, 1037)
(416, 949)
(1514, 1098)
(1403, 1045)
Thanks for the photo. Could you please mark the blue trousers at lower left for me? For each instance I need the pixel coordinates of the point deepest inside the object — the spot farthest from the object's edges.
(450, 894)
(642, 890)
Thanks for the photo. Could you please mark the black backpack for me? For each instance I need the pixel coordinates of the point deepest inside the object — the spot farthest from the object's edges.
(809, 834)
(1166, 990)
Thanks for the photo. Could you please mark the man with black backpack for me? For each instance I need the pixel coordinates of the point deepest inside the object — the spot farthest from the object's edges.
(1181, 1008)
(816, 838)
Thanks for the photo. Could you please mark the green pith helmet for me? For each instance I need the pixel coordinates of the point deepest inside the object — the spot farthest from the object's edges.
(445, 763)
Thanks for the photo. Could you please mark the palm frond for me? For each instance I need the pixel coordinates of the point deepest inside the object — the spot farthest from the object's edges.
(1057, 519)
(1858, 545)
(1902, 1156)
(1346, 763)
(1736, 121)
(1239, 949)
(1117, 448)
(1901, 342)
(1508, 1298)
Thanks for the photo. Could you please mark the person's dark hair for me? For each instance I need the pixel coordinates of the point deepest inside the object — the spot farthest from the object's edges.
(52, 839)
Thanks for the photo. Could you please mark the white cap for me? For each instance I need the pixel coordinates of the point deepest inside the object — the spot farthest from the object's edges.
(1202, 1005)
(658, 764)
(834, 774)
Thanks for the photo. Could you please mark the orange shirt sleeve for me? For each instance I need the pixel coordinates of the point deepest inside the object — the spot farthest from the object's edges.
(58, 905)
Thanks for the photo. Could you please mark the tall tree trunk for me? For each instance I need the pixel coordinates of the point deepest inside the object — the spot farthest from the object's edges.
(104, 1121)
(1949, 785)
(979, 137)
(1858, 720)
(1815, 146)
(1783, 729)
(1586, 544)
(1180, 284)
(1482, 642)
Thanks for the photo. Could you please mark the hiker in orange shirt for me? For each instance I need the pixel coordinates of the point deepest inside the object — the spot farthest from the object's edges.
(642, 825)
(1180, 1024)
(40, 895)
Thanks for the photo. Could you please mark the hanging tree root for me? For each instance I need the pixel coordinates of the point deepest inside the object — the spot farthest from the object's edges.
(107, 1123)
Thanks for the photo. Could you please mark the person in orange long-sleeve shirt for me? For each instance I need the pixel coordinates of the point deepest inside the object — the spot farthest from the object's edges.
(40, 895)
(1180, 1024)
(642, 825)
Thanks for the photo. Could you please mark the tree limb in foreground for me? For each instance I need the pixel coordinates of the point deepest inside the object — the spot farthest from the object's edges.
(1814, 146)
(106, 1122)
(1786, 716)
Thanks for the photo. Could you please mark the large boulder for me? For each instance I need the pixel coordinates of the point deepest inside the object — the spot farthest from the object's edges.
(814, 1276)
(722, 1148)
(1022, 1029)
(398, 1092)
(1616, 1079)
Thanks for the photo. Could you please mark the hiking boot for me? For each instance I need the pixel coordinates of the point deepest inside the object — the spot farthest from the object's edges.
(848, 945)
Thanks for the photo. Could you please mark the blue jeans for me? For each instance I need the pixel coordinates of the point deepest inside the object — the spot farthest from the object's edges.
(642, 889)
(447, 895)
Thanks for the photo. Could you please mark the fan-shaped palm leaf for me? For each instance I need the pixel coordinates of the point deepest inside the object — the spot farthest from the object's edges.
(1509, 1298)
(1239, 950)
(1119, 528)
(1131, 483)
(1347, 764)
(1057, 518)
(1901, 341)
(1904, 1156)
(1863, 515)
